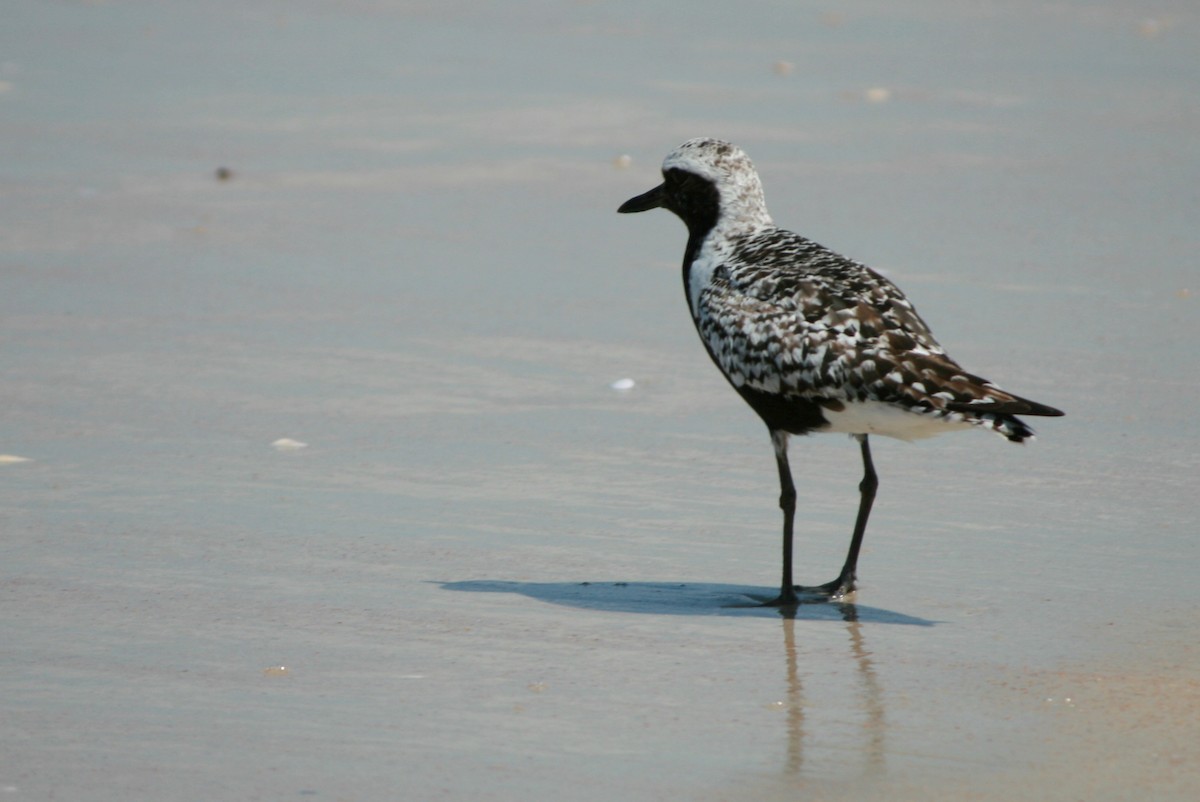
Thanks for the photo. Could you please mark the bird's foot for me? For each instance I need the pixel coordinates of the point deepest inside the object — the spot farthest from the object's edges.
(784, 599)
(837, 590)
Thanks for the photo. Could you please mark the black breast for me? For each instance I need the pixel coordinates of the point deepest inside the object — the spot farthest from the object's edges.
(784, 413)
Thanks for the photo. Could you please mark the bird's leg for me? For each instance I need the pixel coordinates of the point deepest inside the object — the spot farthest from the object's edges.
(789, 594)
(787, 503)
(870, 482)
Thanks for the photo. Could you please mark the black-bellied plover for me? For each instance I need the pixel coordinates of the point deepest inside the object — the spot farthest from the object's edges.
(813, 341)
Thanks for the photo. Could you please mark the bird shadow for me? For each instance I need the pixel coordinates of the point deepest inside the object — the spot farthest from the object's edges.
(672, 598)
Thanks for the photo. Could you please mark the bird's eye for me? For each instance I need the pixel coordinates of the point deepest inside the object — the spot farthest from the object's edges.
(681, 183)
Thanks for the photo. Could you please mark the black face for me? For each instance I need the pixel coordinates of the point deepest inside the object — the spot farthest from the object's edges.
(694, 199)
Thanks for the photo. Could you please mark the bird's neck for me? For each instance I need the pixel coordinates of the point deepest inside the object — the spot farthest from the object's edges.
(715, 241)
(705, 253)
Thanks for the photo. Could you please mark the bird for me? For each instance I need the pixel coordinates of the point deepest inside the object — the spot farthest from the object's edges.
(812, 340)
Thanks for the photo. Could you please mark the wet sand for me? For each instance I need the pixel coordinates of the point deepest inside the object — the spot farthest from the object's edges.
(479, 571)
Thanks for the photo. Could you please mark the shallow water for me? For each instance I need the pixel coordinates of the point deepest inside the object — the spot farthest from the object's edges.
(488, 574)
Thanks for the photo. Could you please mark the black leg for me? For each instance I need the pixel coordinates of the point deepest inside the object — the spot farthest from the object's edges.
(866, 488)
(789, 594)
(787, 503)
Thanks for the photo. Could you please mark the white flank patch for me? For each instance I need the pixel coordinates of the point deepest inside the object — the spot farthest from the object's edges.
(876, 417)
(288, 444)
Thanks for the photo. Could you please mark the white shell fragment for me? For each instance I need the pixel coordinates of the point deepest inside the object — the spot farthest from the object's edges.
(623, 385)
(288, 444)
(12, 459)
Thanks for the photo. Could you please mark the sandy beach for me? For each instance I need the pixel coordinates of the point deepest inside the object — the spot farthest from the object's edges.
(315, 483)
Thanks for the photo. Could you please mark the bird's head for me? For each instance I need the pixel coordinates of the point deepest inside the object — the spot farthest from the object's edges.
(707, 183)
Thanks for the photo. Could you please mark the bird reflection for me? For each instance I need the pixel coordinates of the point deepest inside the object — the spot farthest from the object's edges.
(869, 692)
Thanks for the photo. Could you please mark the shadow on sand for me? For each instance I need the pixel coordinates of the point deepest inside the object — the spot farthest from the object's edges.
(668, 598)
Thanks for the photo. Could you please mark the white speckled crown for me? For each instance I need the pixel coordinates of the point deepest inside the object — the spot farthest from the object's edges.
(730, 170)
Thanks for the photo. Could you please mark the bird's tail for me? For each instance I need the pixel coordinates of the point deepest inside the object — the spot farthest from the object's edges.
(1001, 416)
(1008, 426)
